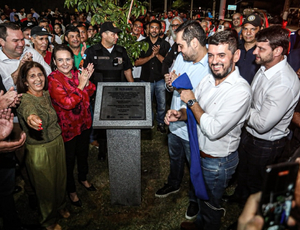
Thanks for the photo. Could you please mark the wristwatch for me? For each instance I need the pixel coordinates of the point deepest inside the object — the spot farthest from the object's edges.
(190, 103)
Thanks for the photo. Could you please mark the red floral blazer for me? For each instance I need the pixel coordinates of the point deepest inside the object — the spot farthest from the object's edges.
(71, 104)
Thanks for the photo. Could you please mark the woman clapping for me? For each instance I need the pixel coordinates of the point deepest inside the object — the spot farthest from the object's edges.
(70, 93)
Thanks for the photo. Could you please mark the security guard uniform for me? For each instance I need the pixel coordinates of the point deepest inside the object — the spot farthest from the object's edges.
(109, 67)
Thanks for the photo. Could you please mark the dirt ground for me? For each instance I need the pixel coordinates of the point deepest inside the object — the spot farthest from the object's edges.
(153, 213)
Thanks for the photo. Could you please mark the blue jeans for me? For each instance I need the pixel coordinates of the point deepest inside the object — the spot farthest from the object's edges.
(216, 172)
(158, 88)
(179, 151)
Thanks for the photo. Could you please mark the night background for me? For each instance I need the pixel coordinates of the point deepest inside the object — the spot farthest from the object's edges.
(273, 7)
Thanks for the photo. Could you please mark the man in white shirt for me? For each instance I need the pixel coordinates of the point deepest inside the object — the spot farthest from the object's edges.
(13, 54)
(168, 20)
(137, 29)
(220, 106)
(276, 91)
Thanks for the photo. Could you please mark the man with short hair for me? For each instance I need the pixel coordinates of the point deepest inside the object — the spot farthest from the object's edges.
(151, 62)
(192, 60)
(162, 33)
(72, 37)
(28, 21)
(276, 91)
(40, 41)
(13, 53)
(237, 21)
(92, 31)
(22, 14)
(220, 106)
(137, 29)
(168, 20)
(247, 65)
(34, 14)
(83, 32)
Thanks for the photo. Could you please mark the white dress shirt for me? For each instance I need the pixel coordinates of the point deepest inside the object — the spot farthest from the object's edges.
(8, 66)
(226, 107)
(137, 70)
(195, 71)
(275, 95)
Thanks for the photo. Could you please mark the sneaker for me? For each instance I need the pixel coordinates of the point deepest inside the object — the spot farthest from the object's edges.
(192, 211)
(166, 191)
(161, 128)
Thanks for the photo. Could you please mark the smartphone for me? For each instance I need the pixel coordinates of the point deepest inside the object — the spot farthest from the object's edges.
(278, 193)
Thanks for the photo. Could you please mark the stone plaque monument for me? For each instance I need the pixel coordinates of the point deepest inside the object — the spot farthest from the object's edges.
(123, 108)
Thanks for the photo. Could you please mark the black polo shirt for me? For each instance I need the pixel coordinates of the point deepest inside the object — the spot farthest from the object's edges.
(247, 65)
(152, 70)
(103, 61)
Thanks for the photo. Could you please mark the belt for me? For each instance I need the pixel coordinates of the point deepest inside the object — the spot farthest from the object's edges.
(204, 155)
(279, 141)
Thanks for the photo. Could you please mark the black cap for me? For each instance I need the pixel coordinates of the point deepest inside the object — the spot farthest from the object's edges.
(38, 30)
(254, 20)
(109, 26)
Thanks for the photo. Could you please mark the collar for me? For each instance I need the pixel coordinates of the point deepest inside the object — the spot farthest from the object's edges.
(274, 69)
(3, 56)
(231, 79)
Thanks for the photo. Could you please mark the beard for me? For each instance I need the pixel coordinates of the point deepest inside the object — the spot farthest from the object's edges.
(190, 57)
(173, 34)
(220, 76)
(265, 60)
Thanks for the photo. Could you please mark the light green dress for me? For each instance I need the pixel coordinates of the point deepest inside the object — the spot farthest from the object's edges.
(45, 156)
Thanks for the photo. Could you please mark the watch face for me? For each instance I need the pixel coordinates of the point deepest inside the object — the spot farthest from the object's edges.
(191, 102)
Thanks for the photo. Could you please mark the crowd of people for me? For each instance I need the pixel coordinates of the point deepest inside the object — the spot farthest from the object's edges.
(234, 90)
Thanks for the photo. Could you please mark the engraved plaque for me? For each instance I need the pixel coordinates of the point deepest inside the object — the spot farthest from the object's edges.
(123, 103)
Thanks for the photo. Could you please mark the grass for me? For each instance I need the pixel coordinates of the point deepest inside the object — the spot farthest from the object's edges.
(153, 213)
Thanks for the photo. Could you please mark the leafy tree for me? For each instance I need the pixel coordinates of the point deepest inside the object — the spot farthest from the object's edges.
(180, 4)
(106, 10)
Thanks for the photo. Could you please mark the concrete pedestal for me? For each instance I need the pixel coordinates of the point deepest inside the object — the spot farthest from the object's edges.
(124, 161)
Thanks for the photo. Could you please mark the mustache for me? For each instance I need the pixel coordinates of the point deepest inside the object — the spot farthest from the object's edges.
(221, 64)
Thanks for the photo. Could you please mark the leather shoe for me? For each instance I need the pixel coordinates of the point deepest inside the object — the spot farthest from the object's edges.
(77, 203)
(91, 188)
(161, 128)
(188, 226)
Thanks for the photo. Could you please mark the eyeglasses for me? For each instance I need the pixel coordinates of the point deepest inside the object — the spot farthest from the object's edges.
(174, 25)
(137, 26)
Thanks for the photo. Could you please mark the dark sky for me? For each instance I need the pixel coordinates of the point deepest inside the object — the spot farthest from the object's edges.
(270, 5)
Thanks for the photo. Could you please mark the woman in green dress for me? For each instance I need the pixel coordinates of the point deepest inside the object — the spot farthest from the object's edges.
(45, 154)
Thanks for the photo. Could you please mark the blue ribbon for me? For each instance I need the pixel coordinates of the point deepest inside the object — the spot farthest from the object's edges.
(183, 82)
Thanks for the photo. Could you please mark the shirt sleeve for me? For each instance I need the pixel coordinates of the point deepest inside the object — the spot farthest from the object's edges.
(164, 48)
(234, 107)
(63, 94)
(273, 108)
(127, 63)
(26, 109)
(39, 58)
